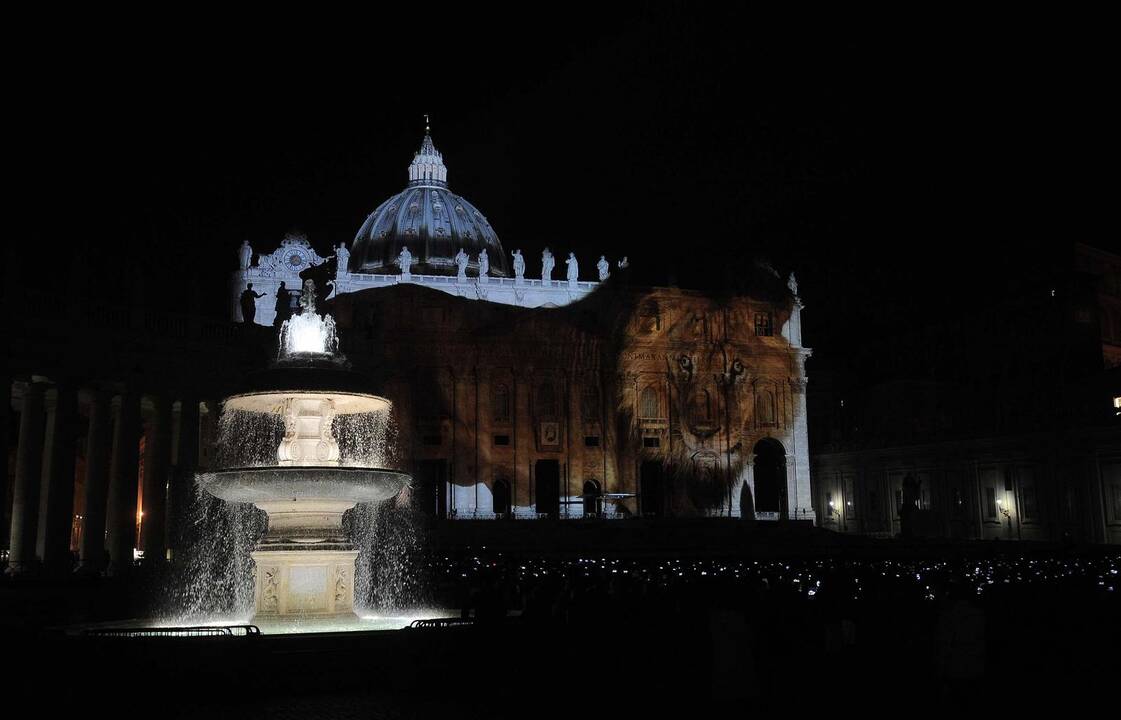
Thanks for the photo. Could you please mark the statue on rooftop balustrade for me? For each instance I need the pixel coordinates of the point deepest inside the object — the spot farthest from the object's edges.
(547, 263)
(461, 261)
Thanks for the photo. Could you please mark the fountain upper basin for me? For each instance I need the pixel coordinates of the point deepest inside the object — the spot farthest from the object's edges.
(272, 402)
(269, 484)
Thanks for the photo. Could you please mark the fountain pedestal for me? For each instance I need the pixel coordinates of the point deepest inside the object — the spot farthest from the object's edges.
(304, 582)
(304, 564)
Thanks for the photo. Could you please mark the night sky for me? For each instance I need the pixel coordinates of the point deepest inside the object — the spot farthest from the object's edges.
(902, 177)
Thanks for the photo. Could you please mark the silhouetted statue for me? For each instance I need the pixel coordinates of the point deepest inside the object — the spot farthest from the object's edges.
(324, 276)
(283, 305)
(519, 265)
(573, 269)
(249, 304)
(604, 268)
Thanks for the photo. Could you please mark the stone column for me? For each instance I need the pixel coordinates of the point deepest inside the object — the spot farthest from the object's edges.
(56, 499)
(29, 465)
(123, 483)
(183, 479)
(799, 490)
(5, 418)
(157, 464)
(98, 448)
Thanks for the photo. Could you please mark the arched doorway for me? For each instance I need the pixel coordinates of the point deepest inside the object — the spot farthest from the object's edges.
(770, 478)
(591, 498)
(501, 497)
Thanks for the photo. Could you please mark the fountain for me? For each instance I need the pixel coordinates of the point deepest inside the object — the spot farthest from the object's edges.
(307, 480)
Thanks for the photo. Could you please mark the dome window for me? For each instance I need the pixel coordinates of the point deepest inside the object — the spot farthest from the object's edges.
(459, 209)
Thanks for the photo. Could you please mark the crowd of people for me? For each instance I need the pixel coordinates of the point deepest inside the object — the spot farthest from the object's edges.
(754, 624)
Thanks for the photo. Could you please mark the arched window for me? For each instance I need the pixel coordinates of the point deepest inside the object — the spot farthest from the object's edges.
(765, 407)
(648, 405)
(589, 401)
(546, 400)
(500, 405)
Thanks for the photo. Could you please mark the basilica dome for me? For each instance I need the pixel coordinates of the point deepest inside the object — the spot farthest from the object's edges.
(431, 221)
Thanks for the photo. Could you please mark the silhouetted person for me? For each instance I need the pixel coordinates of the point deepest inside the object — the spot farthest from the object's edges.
(283, 305)
(249, 304)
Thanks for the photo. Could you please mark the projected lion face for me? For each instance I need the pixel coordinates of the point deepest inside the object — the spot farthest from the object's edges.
(704, 379)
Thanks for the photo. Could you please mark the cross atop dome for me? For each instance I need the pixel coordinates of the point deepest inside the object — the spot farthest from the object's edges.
(427, 167)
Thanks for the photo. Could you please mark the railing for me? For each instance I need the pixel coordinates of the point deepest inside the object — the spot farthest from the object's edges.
(199, 631)
(430, 623)
(363, 278)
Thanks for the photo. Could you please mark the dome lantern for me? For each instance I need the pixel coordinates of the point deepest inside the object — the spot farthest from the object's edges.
(427, 167)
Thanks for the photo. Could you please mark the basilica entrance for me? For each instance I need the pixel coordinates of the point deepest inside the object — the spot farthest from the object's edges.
(651, 491)
(501, 497)
(770, 480)
(546, 487)
(591, 497)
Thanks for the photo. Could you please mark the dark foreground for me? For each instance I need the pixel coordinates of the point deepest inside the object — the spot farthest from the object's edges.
(860, 632)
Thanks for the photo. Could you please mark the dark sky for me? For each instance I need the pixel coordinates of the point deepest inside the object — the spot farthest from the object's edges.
(901, 176)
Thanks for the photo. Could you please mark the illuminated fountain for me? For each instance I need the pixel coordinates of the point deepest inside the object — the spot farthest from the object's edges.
(305, 448)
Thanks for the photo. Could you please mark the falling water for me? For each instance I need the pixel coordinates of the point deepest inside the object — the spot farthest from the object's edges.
(213, 572)
(388, 576)
(250, 439)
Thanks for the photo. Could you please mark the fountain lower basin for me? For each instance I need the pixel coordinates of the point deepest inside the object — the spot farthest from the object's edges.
(295, 483)
(304, 564)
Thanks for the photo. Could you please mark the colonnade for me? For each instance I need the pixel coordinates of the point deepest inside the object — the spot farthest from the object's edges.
(102, 470)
